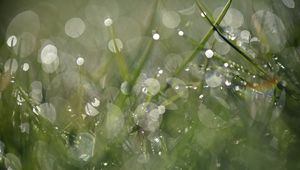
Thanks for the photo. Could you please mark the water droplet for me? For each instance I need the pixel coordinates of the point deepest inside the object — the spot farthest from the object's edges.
(226, 65)
(245, 36)
(170, 19)
(264, 21)
(156, 36)
(160, 71)
(233, 18)
(179, 87)
(115, 45)
(209, 53)
(25, 67)
(289, 3)
(74, 27)
(180, 33)
(203, 14)
(222, 48)
(91, 110)
(152, 86)
(47, 110)
(80, 61)
(96, 102)
(147, 116)
(84, 147)
(125, 88)
(12, 41)
(213, 79)
(108, 22)
(11, 66)
(105, 163)
(52, 67)
(227, 83)
(201, 96)
(24, 127)
(161, 109)
(49, 58)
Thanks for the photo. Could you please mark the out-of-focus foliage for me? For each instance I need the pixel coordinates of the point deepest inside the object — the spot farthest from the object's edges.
(161, 84)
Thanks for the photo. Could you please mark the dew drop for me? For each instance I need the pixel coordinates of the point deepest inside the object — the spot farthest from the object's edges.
(84, 146)
(289, 3)
(180, 33)
(74, 27)
(201, 96)
(80, 61)
(227, 83)
(47, 110)
(11, 65)
(91, 110)
(156, 36)
(125, 88)
(115, 45)
(213, 79)
(96, 102)
(152, 85)
(209, 53)
(108, 22)
(12, 41)
(170, 19)
(25, 67)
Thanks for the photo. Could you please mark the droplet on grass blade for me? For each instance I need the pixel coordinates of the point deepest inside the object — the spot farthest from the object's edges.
(108, 22)
(213, 79)
(25, 67)
(115, 45)
(180, 33)
(80, 61)
(125, 88)
(12, 41)
(84, 146)
(152, 86)
(209, 53)
(47, 110)
(156, 36)
(91, 110)
(11, 66)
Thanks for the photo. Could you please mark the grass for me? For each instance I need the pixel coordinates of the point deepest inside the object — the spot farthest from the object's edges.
(250, 124)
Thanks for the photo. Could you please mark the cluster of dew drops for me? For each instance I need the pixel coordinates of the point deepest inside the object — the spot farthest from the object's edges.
(147, 115)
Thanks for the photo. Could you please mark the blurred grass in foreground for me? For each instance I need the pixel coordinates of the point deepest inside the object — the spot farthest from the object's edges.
(150, 85)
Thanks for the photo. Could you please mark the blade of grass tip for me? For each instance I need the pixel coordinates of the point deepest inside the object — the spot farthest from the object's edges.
(123, 69)
(204, 39)
(142, 62)
(239, 50)
(204, 10)
(144, 53)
